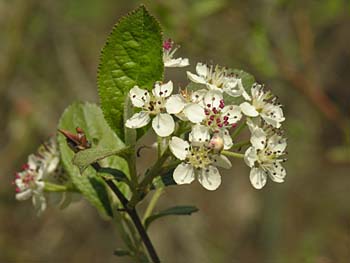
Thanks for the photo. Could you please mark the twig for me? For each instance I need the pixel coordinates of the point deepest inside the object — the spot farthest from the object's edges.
(125, 203)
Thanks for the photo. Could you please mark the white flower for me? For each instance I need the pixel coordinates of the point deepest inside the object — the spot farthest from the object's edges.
(264, 158)
(29, 183)
(199, 160)
(263, 104)
(152, 105)
(187, 106)
(168, 53)
(218, 78)
(48, 155)
(220, 117)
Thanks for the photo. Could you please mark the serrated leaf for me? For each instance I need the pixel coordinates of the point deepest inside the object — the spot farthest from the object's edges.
(132, 56)
(89, 117)
(176, 210)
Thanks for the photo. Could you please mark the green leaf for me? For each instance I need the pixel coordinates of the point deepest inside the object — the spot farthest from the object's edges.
(131, 56)
(247, 79)
(176, 210)
(122, 252)
(89, 117)
(162, 180)
(84, 158)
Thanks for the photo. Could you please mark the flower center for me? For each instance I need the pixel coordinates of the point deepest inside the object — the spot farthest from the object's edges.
(29, 178)
(155, 105)
(216, 119)
(216, 76)
(199, 157)
(167, 44)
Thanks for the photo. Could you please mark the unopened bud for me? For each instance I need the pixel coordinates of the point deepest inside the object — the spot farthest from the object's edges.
(217, 143)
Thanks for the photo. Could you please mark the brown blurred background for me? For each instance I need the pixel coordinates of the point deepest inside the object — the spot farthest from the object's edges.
(49, 52)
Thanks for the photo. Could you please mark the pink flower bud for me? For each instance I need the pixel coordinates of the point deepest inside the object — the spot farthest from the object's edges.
(217, 143)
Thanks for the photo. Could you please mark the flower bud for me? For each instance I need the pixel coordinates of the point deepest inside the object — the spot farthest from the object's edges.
(217, 143)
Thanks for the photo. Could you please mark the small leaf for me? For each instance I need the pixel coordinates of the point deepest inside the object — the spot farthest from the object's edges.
(121, 252)
(89, 117)
(132, 55)
(86, 157)
(113, 174)
(176, 210)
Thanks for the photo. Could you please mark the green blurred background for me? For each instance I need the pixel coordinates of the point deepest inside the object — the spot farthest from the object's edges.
(49, 52)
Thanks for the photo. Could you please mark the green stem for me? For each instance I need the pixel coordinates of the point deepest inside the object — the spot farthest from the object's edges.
(152, 204)
(130, 140)
(159, 146)
(238, 130)
(153, 172)
(240, 144)
(232, 154)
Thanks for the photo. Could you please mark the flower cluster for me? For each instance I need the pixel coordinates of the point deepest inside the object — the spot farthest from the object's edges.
(212, 106)
(30, 181)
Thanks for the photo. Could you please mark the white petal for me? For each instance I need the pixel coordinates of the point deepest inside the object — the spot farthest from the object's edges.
(175, 104)
(179, 147)
(202, 70)
(258, 138)
(233, 112)
(138, 96)
(138, 120)
(163, 124)
(222, 161)
(163, 90)
(228, 143)
(183, 174)
(246, 95)
(277, 144)
(198, 95)
(52, 165)
(213, 99)
(273, 114)
(271, 121)
(250, 156)
(33, 162)
(252, 124)
(248, 109)
(257, 177)
(210, 178)
(233, 86)
(194, 112)
(277, 172)
(24, 195)
(199, 134)
(39, 202)
(257, 90)
(196, 79)
(178, 62)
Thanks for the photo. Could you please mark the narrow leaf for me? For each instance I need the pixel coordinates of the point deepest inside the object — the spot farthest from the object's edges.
(121, 252)
(84, 158)
(176, 210)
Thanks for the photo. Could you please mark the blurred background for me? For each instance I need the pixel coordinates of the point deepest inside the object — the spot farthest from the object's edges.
(49, 52)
